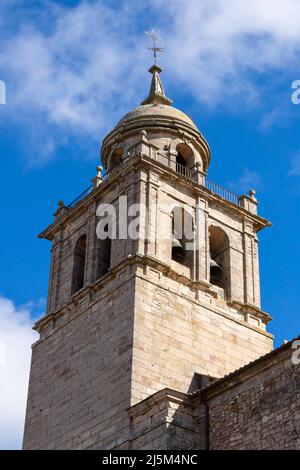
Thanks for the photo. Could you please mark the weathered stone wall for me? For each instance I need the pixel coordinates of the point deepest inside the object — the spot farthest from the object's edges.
(164, 421)
(254, 408)
(83, 221)
(176, 336)
(80, 377)
(258, 408)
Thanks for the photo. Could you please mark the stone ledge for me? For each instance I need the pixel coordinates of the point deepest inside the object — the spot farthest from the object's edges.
(167, 394)
(139, 259)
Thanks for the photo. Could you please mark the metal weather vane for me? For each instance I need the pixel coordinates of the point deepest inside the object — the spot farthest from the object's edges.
(154, 48)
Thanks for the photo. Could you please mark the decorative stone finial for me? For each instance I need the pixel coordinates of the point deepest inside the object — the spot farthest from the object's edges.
(156, 93)
(98, 178)
(61, 208)
(252, 193)
(99, 170)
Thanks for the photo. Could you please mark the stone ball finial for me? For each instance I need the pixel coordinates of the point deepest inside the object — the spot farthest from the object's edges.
(252, 193)
(99, 170)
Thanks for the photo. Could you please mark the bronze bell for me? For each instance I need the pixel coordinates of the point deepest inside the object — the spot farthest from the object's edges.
(214, 264)
(178, 252)
(215, 272)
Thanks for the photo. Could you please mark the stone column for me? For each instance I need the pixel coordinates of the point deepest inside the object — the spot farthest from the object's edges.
(142, 147)
(198, 174)
(172, 154)
(235, 270)
(55, 273)
(91, 255)
(251, 267)
(202, 242)
(149, 185)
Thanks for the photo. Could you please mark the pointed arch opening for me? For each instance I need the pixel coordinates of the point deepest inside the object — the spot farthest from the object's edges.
(79, 257)
(219, 259)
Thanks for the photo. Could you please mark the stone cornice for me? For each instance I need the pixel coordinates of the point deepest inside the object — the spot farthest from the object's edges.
(248, 308)
(206, 287)
(166, 269)
(138, 162)
(199, 190)
(94, 196)
(165, 395)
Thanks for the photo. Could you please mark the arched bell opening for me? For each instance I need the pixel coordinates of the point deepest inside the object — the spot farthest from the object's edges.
(182, 237)
(103, 254)
(219, 259)
(180, 160)
(185, 156)
(178, 251)
(116, 158)
(79, 256)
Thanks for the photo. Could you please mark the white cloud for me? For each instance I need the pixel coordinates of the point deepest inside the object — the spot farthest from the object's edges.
(16, 337)
(217, 44)
(81, 73)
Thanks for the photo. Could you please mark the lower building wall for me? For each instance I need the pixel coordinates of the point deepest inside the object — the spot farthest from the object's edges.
(255, 408)
(261, 411)
(164, 421)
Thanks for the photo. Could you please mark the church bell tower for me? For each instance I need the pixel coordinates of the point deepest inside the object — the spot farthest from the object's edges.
(130, 314)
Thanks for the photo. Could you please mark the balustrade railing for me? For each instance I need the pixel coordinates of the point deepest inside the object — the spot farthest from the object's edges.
(184, 171)
(222, 192)
(80, 197)
(180, 169)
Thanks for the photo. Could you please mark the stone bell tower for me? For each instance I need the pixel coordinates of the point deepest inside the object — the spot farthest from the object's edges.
(130, 316)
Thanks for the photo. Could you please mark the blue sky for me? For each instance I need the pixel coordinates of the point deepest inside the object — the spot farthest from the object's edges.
(73, 68)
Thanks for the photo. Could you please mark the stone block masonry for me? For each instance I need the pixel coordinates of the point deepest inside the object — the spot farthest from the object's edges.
(254, 408)
(258, 407)
(78, 391)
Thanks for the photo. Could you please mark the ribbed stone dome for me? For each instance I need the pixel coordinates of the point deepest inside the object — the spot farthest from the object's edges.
(164, 126)
(156, 110)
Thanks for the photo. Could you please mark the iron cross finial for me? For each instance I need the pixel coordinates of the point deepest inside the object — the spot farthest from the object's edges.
(154, 38)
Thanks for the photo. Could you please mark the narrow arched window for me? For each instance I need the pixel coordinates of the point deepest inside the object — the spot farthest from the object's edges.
(79, 264)
(219, 259)
(103, 254)
(182, 237)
